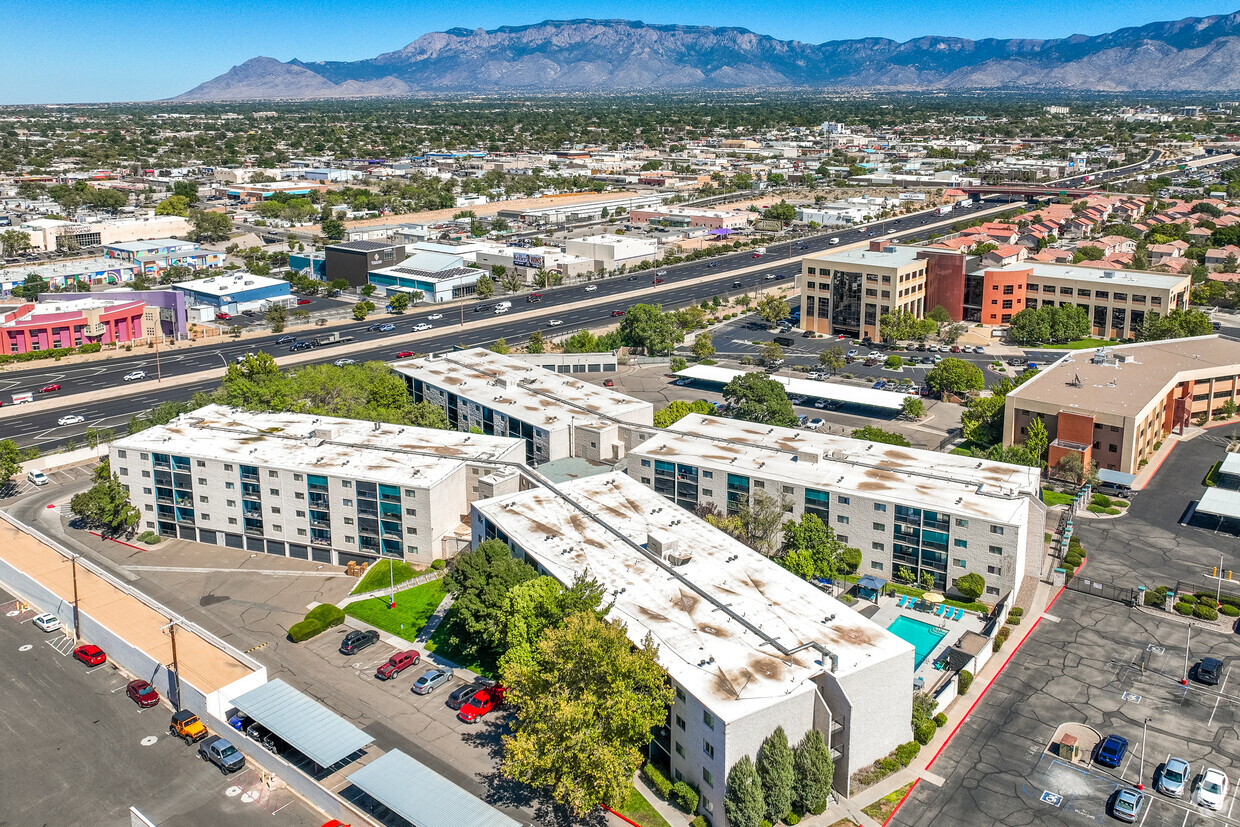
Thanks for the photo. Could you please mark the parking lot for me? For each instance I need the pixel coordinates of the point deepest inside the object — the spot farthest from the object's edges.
(77, 750)
(63, 476)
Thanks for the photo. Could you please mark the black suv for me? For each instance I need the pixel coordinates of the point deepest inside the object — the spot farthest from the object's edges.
(355, 642)
(1209, 671)
(461, 694)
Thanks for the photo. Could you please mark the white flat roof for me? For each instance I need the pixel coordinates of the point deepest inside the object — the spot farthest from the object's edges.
(222, 284)
(526, 392)
(959, 485)
(1101, 278)
(1231, 464)
(889, 256)
(151, 244)
(392, 454)
(704, 648)
(1220, 502)
(97, 264)
(888, 400)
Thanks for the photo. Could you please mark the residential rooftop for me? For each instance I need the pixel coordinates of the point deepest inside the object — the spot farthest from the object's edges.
(1122, 388)
(392, 454)
(713, 614)
(527, 392)
(924, 479)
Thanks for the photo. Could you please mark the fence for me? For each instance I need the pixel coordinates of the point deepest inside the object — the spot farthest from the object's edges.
(1107, 591)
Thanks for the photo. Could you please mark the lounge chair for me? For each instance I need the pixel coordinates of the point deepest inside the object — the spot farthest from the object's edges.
(900, 603)
(959, 614)
(938, 610)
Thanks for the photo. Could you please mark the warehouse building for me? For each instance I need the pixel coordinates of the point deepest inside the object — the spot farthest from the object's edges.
(235, 292)
(557, 414)
(929, 513)
(611, 252)
(312, 487)
(748, 646)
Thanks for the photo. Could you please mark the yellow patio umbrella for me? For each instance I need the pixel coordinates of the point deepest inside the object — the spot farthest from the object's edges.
(933, 597)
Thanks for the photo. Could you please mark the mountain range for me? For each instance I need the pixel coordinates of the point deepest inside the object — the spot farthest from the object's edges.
(608, 56)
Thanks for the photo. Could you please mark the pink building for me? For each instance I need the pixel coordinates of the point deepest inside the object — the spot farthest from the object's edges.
(705, 219)
(48, 325)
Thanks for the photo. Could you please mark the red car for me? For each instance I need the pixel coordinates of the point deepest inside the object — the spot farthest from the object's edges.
(609, 383)
(303, 301)
(617, 313)
(533, 297)
(90, 654)
(483, 701)
(223, 315)
(756, 255)
(396, 664)
(404, 354)
(657, 281)
(49, 388)
(142, 693)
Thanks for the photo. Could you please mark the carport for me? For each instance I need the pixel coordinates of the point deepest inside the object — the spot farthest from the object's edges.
(422, 796)
(830, 391)
(302, 722)
(1217, 510)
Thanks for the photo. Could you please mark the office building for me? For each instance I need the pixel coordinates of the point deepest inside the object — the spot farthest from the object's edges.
(353, 261)
(1114, 404)
(557, 414)
(611, 252)
(438, 277)
(748, 646)
(312, 487)
(929, 513)
(848, 291)
(60, 322)
(235, 292)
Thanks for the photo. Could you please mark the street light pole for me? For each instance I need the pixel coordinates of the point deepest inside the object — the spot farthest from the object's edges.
(1141, 772)
(1218, 594)
(1187, 646)
(77, 614)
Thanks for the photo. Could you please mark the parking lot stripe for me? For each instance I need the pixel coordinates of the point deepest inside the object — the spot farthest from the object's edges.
(1235, 788)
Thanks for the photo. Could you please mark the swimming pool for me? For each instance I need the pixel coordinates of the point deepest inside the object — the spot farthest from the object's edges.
(924, 637)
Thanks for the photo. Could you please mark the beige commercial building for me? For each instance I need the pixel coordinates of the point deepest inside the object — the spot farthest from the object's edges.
(848, 291)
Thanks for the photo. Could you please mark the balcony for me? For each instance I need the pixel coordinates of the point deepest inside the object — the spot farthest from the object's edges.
(321, 523)
(363, 511)
(314, 488)
(254, 530)
(163, 499)
(249, 477)
(320, 541)
(320, 501)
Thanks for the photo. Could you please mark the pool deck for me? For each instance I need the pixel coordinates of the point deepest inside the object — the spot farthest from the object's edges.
(888, 611)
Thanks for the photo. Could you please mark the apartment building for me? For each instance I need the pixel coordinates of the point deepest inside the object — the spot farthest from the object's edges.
(1113, 405)
(848, 291)
(312, 487)
(929, 513)
(557, 414)
(748, 646)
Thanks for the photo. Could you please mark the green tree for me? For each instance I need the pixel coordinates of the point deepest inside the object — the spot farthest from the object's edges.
(173, 205)
(583, 712)
(361, 309)
(185, 189)
(536, 344)
(10, 461)
(939, 315)
(1177, 324)
(832, 359)
(480, 579)
(812, 772)
(276, 316)
(982, 421)
(500, 346)
(209, 226)
(758, 519)
(971, 585)
(540, 604)
(1088, 253)
(106, 504)
(399, 302)
(1037, 438)
(811, 549)
(771, 353)
(338, 285)
(775, 773)
(703, 346)
(484, 287)
(1072, 467)
(783, 211)
(755, 397)
(772, 309)
(14, 242)
(873, 433)
(31, 287)
(679, 409)
(899, 325)
(743, 803)
(333, 229)
(647, 326)
(1030, 326)
(955, 376)
(368, 290)
(913, 408)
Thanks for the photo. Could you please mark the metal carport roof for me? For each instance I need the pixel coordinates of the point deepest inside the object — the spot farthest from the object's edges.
(422, 796)
(309, 727)
(848, 394)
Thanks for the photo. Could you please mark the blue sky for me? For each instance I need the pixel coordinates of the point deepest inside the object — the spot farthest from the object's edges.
(110, 50)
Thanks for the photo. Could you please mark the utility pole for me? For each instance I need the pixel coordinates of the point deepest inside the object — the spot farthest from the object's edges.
(1141, 771)
(176, 667)
(1187, 646)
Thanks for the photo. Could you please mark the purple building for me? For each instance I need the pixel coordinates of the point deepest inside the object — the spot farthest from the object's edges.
(173, 320)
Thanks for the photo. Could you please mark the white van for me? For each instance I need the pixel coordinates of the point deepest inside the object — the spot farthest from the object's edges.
(36, 477)
(835, 240)
(500, 309)
(504, 304)
(19, 398)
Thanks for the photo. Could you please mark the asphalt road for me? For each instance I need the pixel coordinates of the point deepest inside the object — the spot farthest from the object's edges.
(524, 318)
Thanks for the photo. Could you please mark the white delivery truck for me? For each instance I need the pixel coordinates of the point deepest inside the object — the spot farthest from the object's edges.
(19, 398)
(945, 209)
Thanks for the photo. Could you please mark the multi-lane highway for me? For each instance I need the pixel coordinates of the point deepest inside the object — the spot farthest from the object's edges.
(682, 285)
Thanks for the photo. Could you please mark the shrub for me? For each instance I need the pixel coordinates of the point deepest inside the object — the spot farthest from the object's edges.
(1205, 612)
(1154, 599)
(700, 821)
(940, 720)
(1206, 601)
(1184, 608)
(439, 564)
(997, 645)
(684, 797)
(1013, 620)
(1188, 598)
(657, 780)
(326, 615)
(90, 347)
(819, 809)
(924, 732)
(1017, 611)
(792, 818)
(1005, 632)
(304, 630)
(1229, 610)
(964, 681)
(905, 753)
(971, 585)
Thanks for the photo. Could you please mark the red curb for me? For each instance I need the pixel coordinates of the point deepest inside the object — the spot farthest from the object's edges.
(617, 815)
(1160, 464)
(900, 803)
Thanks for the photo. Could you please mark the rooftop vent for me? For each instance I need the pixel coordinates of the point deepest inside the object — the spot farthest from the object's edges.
(325, 432)
(668, 548)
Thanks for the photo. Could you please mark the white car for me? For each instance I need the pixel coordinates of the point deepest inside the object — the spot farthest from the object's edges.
(554, 323)
(874, 354)
(1212, 791)
(499, 311)
(815, 423)
(420, 327)
(72, 419)
(47, 621)
(590, 288)
(136, 374)
(769, 277)
(342, 362)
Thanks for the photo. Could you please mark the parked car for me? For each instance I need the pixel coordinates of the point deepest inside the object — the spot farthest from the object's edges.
(356, 641)
(432, 679)
(135, 374)
(49, 388)
(816, 423)
(609, 383)
(90, 654)
(222, 754)
(483, 701)
(46, 622)
(1174, 777)
(1111, 751)
(1209, 671)
(397, 663)
(1212, 791)
(460, 695)
(186, 726)
(1126, 804)
(223, 315)
(142, 693)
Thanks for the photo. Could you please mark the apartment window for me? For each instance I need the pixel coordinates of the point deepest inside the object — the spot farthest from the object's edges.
(301, 513)
(707, 777)
(843, 538)
(146, 473)
(842, 500)
(706, 492)
(813, 271)
(232, 520)
(880, 526)
(230, 485)
(121, 455)
(124, 472)
(348, 539)
(278, 528)
(708, 748)
(646, 480)
(1009, 289)
(346, 483)
(958, 543)
(1048, 288)
(959, 563)
(411, 529)
(680, 694)
(275, 509)
(347, 503)
(275, 492)
(877, 546)
(298, 478)
(150, 507)
(995, 570)
(231, 503)
(411, 512)
(996, 549)
(300, 495)
(202, 499)
(759, 484)
(680, 750)
(202, 464)
(348, 521)
(996, 529)
(710, 475)
(880, 506)
(645, 463)
(708, 719)
(410, 494)
(301, 532)
(146, 491)
(993, 591)
(842, 519)
(1112, 448)
(206, 517)
(961, 523)
(680, 722)
(273, 474)
(227, 466)
(877, 566)
(1007, 304)
(787, 489)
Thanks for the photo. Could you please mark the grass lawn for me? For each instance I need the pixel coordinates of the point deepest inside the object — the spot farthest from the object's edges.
(896, 588)
(843, 822)
(882, 809)
(1052, 498)
(413, 608)
(444, 641)
(637, 808)
(1079, 344)
(381, 574)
